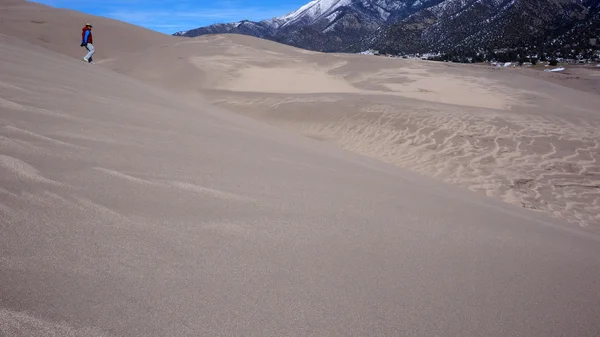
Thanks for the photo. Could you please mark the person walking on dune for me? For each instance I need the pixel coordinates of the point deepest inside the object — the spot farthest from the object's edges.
(87, 41)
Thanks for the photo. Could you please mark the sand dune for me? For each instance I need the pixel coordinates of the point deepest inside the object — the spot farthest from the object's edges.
(59, 30)
(130, 206)
(539, 162)
(510, 135)
(242, 64)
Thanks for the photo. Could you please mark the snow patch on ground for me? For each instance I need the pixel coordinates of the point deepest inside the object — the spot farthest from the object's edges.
(555, 69)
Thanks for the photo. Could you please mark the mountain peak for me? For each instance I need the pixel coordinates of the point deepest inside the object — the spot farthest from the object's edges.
(314, 10)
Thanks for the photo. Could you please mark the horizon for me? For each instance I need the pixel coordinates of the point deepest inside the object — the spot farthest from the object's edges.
(183, 15)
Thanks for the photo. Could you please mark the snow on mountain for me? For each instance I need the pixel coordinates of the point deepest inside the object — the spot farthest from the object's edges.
(409, 26)
(314, 11)
(325, 25)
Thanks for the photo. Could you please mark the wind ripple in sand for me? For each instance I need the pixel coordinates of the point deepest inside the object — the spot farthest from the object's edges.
(183, 186)
(125, 176)
(15, 145)
(208, 191)
(536, 163)
(542, 163)
(7, 104)
(21, 324)
(11, 130)
(11, 86)
(21, 170)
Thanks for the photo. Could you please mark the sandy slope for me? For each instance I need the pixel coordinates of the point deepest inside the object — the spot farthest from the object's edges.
(60, 30)
(130, 210)
(518, 136)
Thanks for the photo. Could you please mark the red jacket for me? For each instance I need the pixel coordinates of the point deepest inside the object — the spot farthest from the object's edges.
(86, 35)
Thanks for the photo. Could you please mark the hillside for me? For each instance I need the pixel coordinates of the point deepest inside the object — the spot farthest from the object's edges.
(466, 28)
(59, 30)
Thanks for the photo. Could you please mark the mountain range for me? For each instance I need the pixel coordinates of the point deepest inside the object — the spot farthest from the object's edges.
(426, 26)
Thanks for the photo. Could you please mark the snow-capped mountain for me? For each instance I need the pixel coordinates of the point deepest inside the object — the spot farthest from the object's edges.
(331, 10)
(325, 25)
(412, 26)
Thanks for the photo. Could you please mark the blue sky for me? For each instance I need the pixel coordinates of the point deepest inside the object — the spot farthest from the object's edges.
(169, 16)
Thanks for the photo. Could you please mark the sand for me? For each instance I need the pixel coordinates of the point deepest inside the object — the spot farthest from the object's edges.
(60, 30)
(516, 135)
(146, 196)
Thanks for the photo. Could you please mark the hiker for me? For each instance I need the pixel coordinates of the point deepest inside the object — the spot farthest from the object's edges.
(87, 42)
